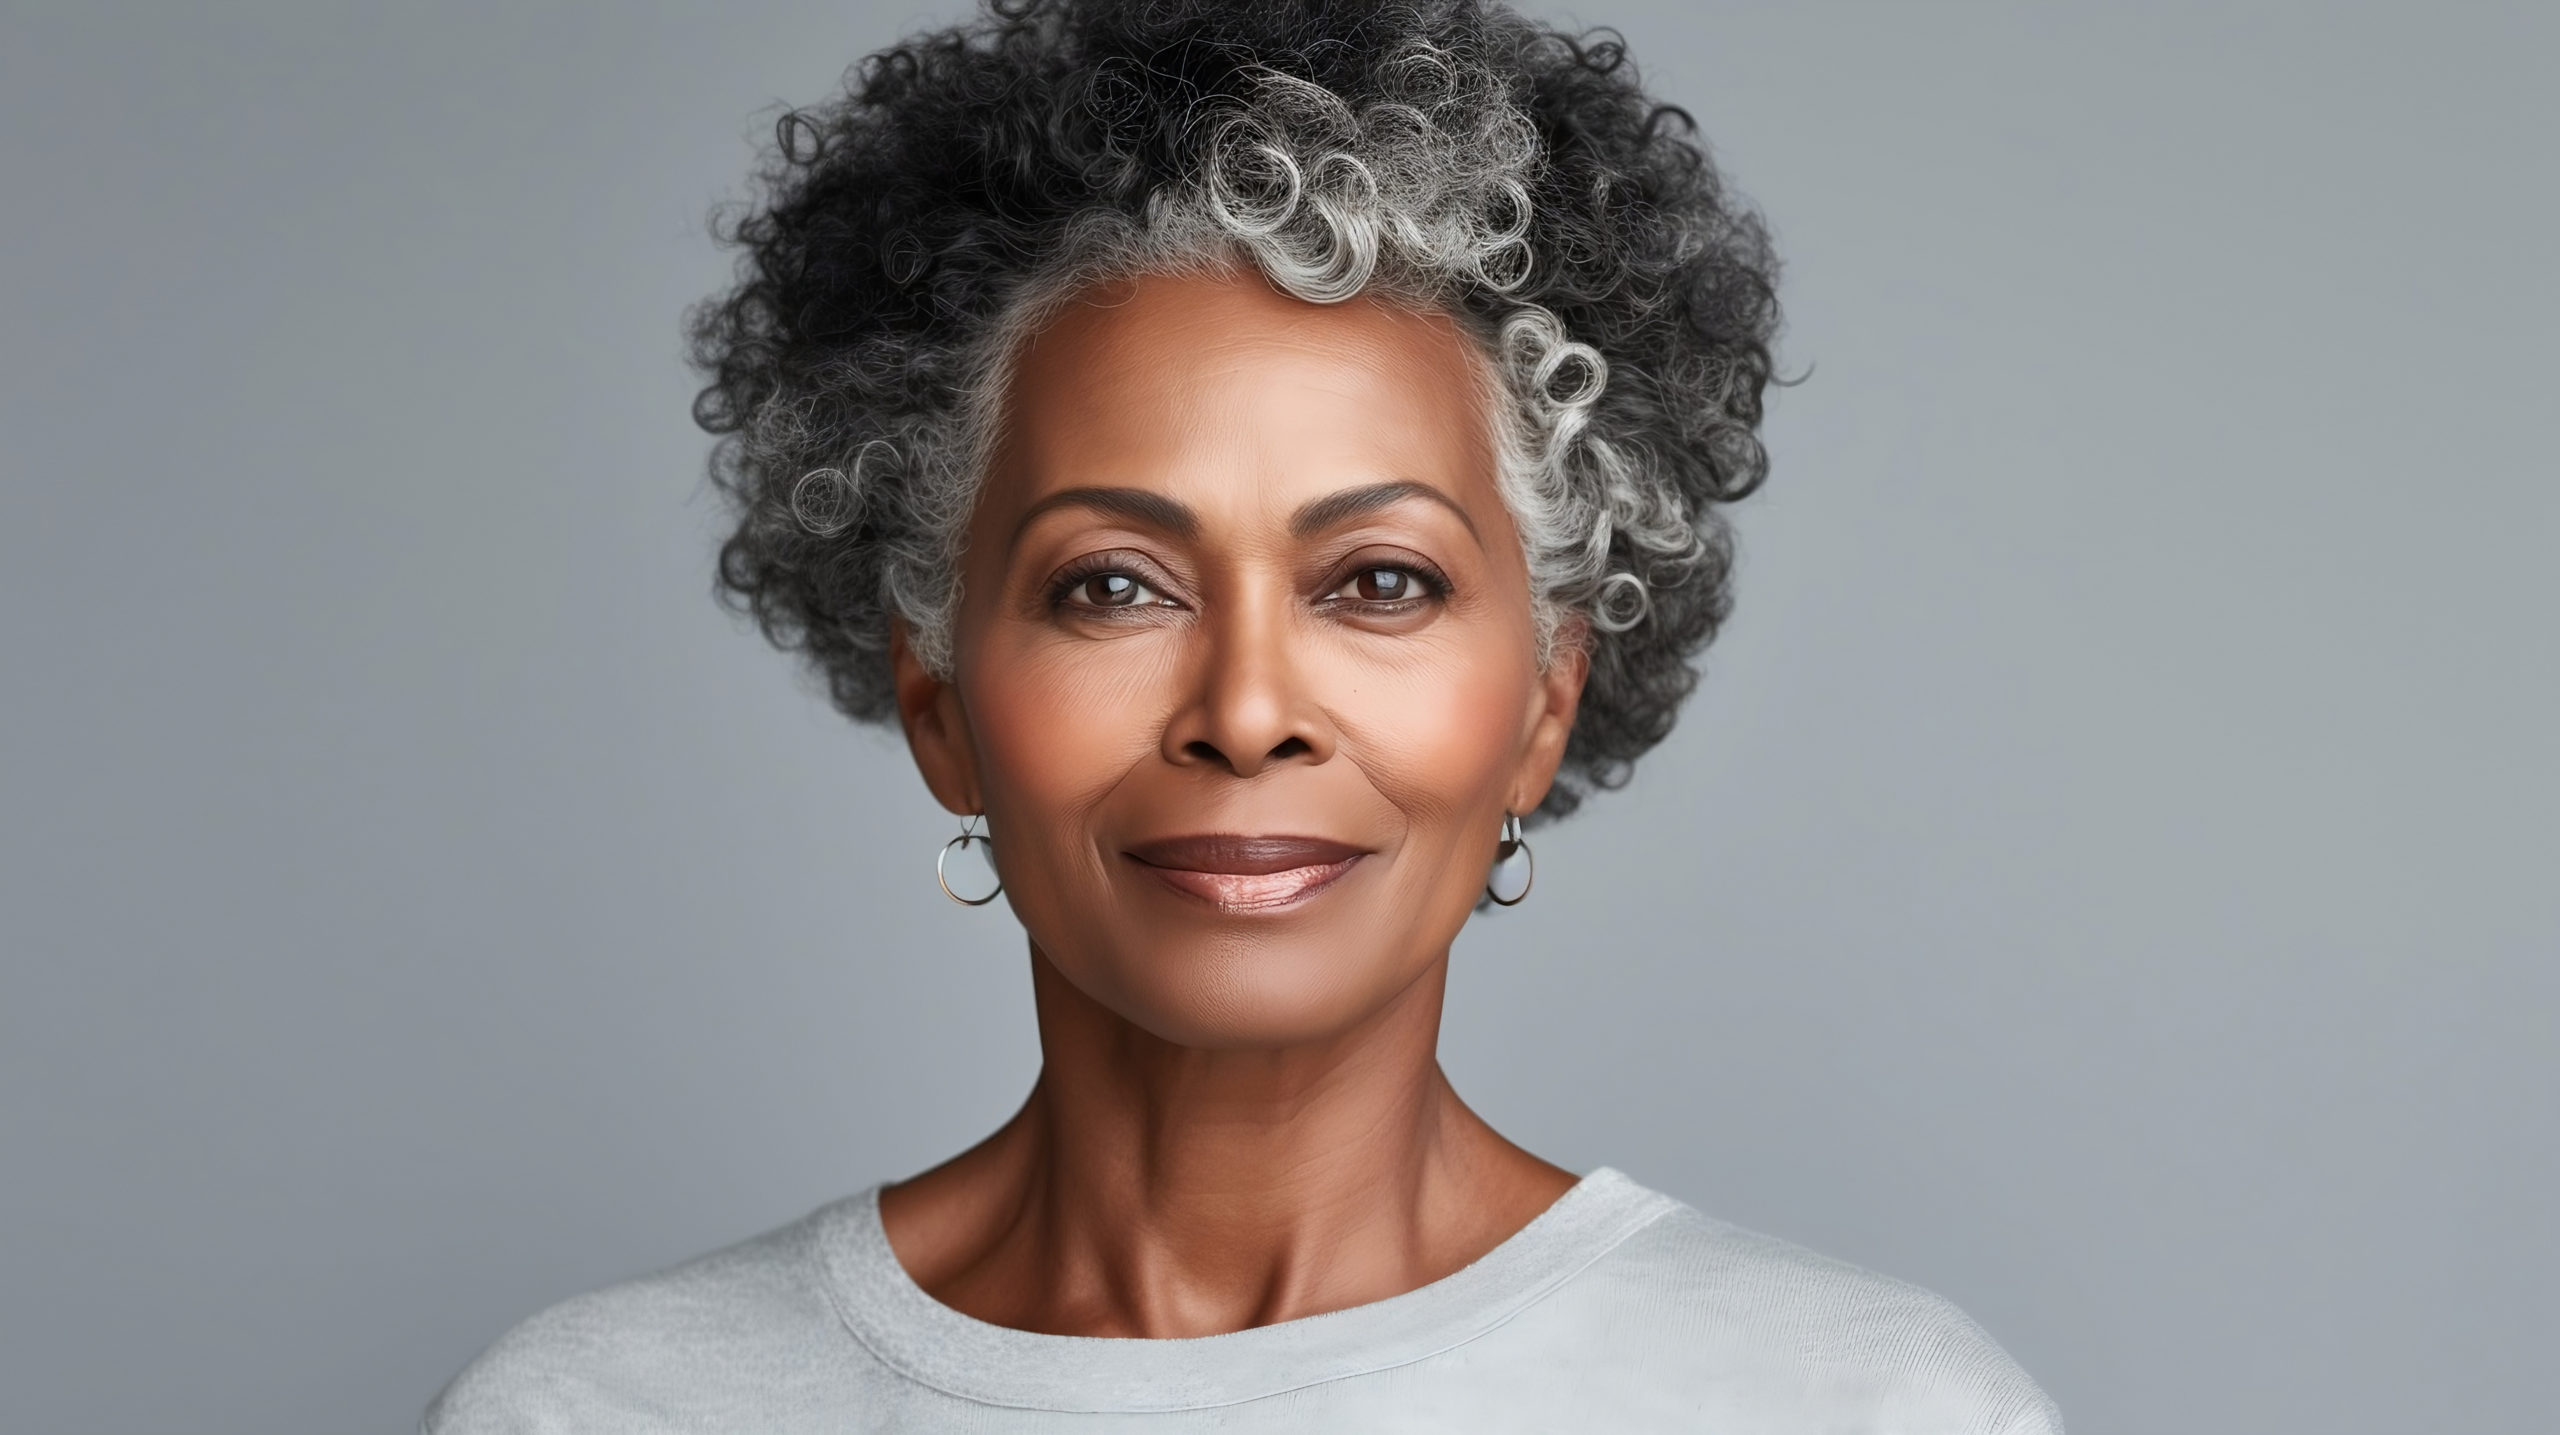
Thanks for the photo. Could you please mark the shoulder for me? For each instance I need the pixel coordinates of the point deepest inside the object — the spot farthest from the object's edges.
(698, 1346)
(1769, 1334)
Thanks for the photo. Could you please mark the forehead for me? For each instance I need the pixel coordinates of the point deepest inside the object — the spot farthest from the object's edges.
(1241, 401)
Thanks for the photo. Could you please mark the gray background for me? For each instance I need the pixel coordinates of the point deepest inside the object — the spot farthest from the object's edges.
(2107, 877)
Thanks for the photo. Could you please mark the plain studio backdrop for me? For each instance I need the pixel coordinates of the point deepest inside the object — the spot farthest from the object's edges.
(2107, 875)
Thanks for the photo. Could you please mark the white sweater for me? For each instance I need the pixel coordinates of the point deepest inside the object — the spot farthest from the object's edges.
(1618, 1309)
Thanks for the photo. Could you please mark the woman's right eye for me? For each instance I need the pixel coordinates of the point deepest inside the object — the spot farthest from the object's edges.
(1111, 589)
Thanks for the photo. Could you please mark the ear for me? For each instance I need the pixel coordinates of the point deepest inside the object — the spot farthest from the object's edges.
(1552, 705)
(937, 727)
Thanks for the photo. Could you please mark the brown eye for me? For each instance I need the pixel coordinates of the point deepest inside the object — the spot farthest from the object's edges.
(1111, 589)
(1384, 585)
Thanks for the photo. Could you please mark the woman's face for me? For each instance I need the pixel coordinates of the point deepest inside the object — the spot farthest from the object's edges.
(1245, 669)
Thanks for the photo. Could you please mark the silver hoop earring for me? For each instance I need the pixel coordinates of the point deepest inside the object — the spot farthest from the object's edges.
(1511, 857)
(969, 837)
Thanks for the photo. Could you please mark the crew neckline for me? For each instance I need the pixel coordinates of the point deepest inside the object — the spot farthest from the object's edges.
(937, 1346)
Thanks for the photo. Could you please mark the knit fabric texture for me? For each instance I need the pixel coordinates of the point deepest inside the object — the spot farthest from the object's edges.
(1617, 1309)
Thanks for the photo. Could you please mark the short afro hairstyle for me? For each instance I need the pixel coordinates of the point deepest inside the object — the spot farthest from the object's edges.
(904, 236)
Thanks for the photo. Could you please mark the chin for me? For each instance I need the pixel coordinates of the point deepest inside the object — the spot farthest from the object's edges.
(1243, 993)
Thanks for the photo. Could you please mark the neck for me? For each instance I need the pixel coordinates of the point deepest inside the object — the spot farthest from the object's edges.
(1151, 1189)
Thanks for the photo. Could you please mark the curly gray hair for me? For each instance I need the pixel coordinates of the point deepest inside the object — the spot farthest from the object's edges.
(1448, 156)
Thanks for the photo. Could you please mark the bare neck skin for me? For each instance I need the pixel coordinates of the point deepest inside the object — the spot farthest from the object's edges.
(1147, 1189)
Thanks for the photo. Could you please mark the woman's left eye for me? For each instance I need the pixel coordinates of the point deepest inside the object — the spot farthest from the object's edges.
(1385, 585)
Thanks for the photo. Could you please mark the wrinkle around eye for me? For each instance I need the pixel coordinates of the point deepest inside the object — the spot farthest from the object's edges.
(1069, 587)
(1133, 593)
(1428, 584)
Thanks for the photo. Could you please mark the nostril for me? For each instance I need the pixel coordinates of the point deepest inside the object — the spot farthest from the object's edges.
(1294, 747)
(1204, 752)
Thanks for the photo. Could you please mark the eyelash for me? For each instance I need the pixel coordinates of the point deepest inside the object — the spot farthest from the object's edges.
(1062, 589)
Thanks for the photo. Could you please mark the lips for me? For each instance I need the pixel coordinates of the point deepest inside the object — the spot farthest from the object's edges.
(1246, 873)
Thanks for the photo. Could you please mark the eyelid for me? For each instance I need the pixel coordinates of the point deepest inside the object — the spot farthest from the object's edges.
(1348, 571)
(1061, 587)
(1075, 593)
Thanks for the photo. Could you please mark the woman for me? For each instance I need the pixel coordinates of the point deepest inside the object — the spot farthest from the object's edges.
(1262, 454)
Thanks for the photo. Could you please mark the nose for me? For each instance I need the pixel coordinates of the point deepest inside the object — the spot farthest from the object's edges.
(1249, 704)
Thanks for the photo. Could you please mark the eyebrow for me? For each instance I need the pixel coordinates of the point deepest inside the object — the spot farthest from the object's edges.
(1317, 515)
(1135, 504)
(1314, 516)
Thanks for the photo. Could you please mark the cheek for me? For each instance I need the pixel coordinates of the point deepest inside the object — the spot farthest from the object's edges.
(1058, 726)
(1438, 730)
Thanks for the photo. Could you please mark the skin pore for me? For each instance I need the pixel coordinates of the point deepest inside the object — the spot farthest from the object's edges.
(1246, 677)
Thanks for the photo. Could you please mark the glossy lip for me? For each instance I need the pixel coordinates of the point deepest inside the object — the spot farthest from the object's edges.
(1246, 874)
